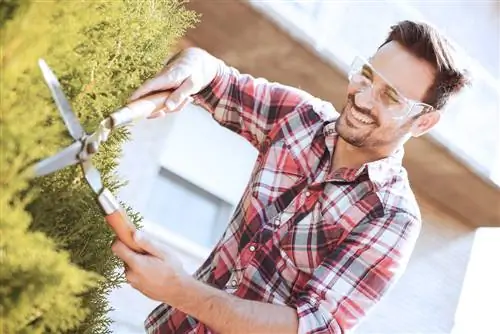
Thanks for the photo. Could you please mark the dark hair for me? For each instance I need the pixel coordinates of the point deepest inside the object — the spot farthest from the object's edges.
(426, 42)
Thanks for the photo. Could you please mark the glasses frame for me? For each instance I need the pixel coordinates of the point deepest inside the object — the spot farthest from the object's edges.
(410, 103)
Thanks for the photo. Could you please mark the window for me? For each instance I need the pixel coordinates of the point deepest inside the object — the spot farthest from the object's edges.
(187, 210)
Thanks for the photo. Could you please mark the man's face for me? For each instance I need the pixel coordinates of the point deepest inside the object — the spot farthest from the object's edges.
(370, 118)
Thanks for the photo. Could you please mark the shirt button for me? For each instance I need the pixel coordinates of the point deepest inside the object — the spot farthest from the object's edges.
(234, 283)
(252, 248)
(308, 193)
(277, 221)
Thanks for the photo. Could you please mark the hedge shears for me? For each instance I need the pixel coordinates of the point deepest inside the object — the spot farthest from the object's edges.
(86, 145)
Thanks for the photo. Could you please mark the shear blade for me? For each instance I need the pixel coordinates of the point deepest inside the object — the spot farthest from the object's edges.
(92, 176)
(64, 158)
(72, 123)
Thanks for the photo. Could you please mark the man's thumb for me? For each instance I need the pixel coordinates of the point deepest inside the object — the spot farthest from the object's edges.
(179, 96)
(147, 243)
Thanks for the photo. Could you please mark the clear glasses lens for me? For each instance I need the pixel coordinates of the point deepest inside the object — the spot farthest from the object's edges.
(361, 76)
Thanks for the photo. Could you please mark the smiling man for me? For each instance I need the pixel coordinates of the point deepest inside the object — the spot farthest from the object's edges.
(328, 221)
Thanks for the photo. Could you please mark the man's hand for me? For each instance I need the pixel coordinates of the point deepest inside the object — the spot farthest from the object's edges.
(158, 274)
(186, 74)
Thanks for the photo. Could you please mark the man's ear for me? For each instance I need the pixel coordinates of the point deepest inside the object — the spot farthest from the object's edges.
(424, 123)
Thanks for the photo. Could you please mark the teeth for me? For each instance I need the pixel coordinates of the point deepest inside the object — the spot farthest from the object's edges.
(360, 117)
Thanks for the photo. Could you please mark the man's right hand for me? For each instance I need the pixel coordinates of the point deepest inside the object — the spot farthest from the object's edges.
(187, 73)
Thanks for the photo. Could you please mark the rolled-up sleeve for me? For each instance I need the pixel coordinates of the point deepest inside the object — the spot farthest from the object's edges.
(357, 274)
(246, 105)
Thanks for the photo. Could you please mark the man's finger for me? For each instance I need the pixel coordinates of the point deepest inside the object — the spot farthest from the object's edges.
(131, 277)
(170, 79)
(179, 96)
(123, 252)
(186, 101)
(149, 244)
(162, 112)
(158, 113)
(151, 85)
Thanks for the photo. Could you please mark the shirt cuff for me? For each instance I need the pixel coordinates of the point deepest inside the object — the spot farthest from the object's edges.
(313, 318)
(216, 87)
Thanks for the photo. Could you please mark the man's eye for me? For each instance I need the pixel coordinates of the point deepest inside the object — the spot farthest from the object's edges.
(391, 97)
(366, 74)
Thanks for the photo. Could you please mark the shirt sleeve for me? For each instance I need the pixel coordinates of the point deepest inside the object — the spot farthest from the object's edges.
(246, 105)
(356, 275)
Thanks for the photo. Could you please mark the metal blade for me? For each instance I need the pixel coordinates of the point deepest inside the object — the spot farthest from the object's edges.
(92, 176)
(64, 158)
(69, 117)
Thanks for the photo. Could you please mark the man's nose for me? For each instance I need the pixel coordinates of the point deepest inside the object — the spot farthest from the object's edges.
(364, 98)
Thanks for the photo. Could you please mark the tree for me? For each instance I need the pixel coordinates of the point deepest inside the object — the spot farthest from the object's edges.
(56, 264)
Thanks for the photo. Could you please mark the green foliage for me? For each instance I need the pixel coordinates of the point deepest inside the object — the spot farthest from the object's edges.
(9, 7)
(56, 263)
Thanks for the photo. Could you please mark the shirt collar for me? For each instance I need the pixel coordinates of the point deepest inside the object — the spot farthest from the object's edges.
(379, 171)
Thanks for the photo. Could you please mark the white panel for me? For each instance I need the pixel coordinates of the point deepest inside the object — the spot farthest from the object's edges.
(479, 304)
(187, 210)
(139, 163)
(208, 155)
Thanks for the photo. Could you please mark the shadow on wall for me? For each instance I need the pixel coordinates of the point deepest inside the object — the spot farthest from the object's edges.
(426, 297)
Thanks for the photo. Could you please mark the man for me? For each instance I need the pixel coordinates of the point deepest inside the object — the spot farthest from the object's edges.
(328, 220)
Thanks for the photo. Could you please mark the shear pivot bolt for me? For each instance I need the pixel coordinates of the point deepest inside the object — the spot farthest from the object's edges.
(92, 148)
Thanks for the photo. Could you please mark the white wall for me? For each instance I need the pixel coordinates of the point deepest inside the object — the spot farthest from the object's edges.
(479, 304)
(425, 299)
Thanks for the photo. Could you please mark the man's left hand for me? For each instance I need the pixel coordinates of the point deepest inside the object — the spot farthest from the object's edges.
(158, 274)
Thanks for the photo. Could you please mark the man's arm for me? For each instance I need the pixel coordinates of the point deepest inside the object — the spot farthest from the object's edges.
(160, 276)
(357, 274)
(346, 285)
(224, 313)
(246, 105)
(341, 290)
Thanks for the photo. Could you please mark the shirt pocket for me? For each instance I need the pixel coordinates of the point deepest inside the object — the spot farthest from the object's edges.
(277, 172)
(308, 242)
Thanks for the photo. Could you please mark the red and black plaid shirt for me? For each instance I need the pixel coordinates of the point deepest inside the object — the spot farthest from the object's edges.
(328, 243)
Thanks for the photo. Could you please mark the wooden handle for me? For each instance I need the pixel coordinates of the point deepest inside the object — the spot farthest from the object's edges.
(124, 229)
(139, 109)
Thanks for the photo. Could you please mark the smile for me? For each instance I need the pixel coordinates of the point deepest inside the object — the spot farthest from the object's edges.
(362, 118)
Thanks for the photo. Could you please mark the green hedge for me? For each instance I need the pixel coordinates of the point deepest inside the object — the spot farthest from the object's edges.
(56, 265)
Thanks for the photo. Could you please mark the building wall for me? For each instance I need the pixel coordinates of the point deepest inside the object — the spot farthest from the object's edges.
(340, 30)
(212, 165)
(426, 297)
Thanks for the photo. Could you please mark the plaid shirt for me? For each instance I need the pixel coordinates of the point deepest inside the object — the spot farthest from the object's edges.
(328, 243)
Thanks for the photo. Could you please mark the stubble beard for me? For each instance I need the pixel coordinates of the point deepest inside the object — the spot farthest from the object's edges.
(348, 132)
